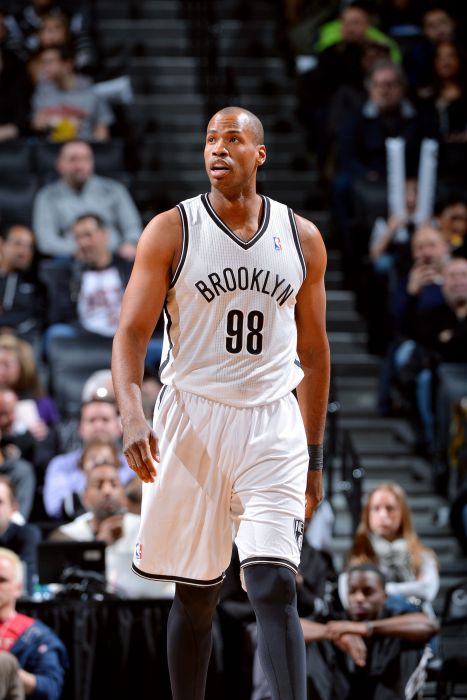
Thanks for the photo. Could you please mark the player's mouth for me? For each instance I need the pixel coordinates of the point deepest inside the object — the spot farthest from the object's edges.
(219, 168)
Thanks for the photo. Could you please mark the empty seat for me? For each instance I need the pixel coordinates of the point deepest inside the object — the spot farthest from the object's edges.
(15, 161)
(16, 201)
(71, 363)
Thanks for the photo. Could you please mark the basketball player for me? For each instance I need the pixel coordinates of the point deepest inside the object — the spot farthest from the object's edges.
(240, 279)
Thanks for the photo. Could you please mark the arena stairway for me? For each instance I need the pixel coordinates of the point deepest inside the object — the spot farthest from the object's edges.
(383, 445)
(152, 42)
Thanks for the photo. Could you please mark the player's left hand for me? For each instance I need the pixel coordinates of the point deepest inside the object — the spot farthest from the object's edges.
(313, 493)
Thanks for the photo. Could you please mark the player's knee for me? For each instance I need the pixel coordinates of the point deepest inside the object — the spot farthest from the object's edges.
(269, 584)
(199, 602)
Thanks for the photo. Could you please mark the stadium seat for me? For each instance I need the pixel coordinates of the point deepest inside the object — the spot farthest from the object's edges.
(71, 363)
(15, 161)
(16, 201)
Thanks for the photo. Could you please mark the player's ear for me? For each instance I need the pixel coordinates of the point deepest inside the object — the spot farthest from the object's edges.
(261, 155)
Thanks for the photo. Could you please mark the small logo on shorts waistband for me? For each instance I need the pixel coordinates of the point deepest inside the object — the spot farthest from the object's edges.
(299, 529)
(138, 551)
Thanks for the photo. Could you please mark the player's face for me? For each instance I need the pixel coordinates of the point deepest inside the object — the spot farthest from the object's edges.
(366, 595)
(231, 153)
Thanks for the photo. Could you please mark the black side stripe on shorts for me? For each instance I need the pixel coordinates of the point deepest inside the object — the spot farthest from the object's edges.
(296, 237)
(179, 579)
(277, 561)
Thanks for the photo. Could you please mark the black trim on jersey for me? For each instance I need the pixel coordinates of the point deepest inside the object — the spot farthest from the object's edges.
(168, 325)
(179, 579)
(268, 560)
(296, 238)
(298, 363)
(218, 221)
(181, 262)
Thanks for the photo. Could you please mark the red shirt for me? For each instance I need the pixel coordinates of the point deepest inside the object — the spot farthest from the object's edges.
(12, 629)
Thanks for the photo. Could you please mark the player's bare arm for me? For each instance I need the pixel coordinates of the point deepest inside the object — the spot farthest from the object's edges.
(313, 349)
(157, 255)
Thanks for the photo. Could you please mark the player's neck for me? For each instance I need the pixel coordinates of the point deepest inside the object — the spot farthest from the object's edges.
(239, 210)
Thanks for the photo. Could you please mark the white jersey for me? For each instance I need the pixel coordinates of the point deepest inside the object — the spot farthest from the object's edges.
(230, 333)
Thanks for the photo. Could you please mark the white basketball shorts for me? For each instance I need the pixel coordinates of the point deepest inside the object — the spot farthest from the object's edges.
(225, 473)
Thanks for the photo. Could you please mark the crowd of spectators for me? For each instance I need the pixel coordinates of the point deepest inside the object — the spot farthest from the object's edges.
(378, 77)
(64, 268)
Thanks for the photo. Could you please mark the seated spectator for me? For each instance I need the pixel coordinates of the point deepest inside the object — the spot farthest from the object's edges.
(438, 25)
(445, 103)
(339, 51)
(54, 30)
(451, 216)
(22, 310)
(360, 180)
(15, 90)
(26, 643)
(21, 539)
(99, 420)
(18, 371)
(94, 452)
(437, 335)
(64, 103)
(390, 258)
(108, 520)
(87, 294)
(78, 191)
(17, 440)
(22, 476)
(419, 285)
(385, 538)
(25, 26)
(375, 652)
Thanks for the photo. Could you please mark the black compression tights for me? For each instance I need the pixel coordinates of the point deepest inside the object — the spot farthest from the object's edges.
(272, 593)
(189, 639)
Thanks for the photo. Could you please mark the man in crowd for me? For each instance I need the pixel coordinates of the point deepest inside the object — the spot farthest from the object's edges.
(21, 539)
(31, 651)
(22, 295)
(372, 655)
(78, 191)
(107, 519)
(99, 420)
(87, 294)
(65, 104)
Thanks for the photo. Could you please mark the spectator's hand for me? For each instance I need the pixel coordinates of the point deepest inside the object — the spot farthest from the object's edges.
(420, 276)
(141, 449)
(111, 529)
(127, 250)
(28, 680)
(456, 137)
(336, 628)
(41, 121)
(354, 646)
(395, 222)
(39, 430)
(313, 493)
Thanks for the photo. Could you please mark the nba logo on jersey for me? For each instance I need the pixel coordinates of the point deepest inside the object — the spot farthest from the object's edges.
(299, 528)
(138, 551)
(277, 243)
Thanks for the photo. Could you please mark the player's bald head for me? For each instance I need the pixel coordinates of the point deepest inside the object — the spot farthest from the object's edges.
(246, 119)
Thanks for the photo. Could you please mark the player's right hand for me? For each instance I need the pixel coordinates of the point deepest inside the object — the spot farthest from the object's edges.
(141, 449)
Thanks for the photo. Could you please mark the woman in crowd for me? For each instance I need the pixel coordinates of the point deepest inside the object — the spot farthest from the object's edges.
(386, 537)
(18, 371)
